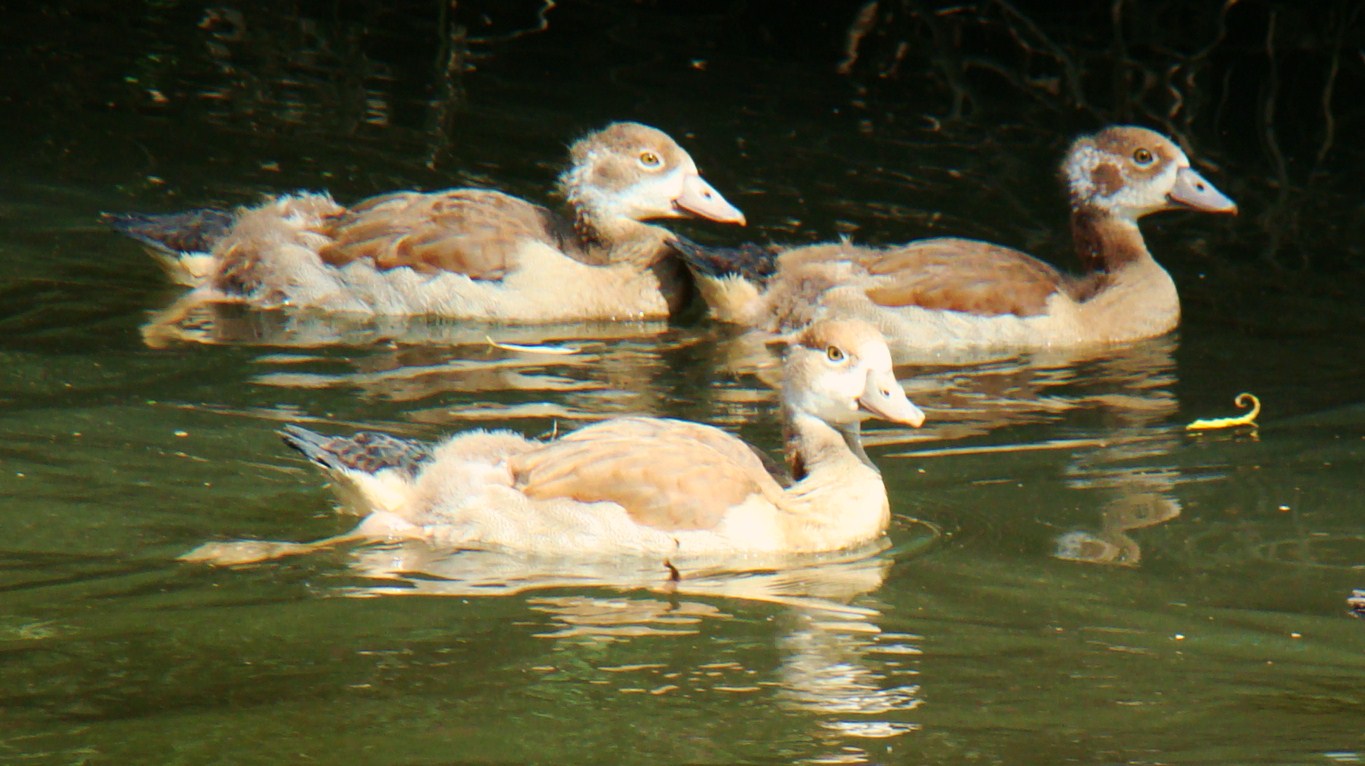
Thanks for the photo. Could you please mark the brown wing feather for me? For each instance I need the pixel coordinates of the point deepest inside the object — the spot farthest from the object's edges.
(962, 275)
(466, 231)
(667, 474)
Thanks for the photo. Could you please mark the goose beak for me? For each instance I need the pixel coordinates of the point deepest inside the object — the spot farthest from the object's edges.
(885, 399)
(1192, 191)
(699, 199)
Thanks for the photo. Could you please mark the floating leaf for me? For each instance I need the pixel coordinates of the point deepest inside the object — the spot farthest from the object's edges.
(1243, 401)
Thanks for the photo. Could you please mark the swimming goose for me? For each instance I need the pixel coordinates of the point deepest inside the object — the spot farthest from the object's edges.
(948, 293)
(463, 253)
(634, 485)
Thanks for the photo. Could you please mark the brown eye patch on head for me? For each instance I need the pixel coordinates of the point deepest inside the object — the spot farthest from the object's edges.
(1107, 178)
(609, 173)
(1143, 156)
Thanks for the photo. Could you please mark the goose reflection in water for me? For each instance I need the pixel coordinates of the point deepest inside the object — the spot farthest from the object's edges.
(199, 323)
(836, 666)
(1124, 463)
(827, 581)
(1111, 543)
(457, 374)
(1133, 470)
(574, 374)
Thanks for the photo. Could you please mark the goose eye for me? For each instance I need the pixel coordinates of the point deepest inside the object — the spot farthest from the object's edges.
(649, 160)
(1143, 157)
(834, 354)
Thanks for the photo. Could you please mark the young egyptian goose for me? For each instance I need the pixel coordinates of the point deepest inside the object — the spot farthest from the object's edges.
(950, 293)
(463, 253)
(636, 485)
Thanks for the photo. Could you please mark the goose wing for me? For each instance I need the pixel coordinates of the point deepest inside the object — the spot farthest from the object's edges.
(951, 274)
(466, 231)
(667, 474)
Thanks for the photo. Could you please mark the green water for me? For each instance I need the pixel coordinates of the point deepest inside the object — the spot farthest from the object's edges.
(1072, 578)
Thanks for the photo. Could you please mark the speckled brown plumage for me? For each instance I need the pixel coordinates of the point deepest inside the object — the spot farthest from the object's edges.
(466, 231)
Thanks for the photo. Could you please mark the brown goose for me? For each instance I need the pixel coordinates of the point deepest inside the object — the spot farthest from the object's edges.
(644, 486)
(951, 293)
(462, 253)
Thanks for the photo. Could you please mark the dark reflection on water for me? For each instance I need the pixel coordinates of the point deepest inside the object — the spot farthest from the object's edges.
(1071, 577)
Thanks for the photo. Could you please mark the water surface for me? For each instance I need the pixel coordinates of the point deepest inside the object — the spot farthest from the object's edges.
(1071, 576)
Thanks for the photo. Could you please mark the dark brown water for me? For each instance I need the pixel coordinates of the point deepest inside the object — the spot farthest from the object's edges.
(1072, 579)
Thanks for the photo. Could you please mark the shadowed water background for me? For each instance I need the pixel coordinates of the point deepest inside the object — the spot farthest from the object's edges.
(1071, 577)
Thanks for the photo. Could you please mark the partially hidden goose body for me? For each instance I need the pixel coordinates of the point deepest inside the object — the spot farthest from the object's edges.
(473, 254)
(636, 485)
(953, 293)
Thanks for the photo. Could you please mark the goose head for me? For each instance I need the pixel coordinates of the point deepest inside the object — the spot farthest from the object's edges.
(1128, 172)
(629, 171)
(840, 372)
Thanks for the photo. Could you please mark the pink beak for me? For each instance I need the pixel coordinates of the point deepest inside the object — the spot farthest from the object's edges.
(885, 399)
(699, 199)
(1193, 192)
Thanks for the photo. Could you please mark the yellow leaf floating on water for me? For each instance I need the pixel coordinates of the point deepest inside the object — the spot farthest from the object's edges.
(1243, 401)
